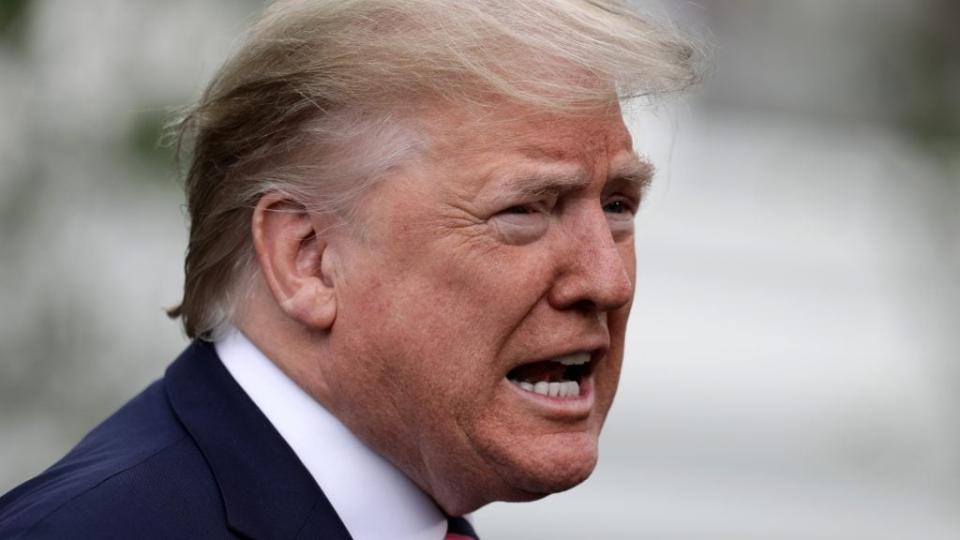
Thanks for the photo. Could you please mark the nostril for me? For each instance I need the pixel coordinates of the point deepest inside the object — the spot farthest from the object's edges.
(585, 305)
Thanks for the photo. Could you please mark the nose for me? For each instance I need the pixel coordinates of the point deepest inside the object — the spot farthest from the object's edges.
(596, 273)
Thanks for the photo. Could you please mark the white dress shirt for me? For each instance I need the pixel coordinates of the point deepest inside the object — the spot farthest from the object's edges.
(372, 497)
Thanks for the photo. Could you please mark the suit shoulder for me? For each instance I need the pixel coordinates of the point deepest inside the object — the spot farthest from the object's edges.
(124, 479)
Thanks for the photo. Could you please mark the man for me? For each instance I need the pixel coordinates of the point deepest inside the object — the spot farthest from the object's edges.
(408, 278)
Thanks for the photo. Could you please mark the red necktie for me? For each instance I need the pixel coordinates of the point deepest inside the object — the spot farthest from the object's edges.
(459, 529)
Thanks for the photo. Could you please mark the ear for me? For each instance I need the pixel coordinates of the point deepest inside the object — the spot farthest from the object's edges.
(295, 260)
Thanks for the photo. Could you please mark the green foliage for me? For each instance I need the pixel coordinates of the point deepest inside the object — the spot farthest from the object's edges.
(145, 139)
(13, 21)
(930, 102)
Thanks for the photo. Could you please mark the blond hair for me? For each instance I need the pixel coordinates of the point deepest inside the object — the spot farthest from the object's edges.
(339, 77)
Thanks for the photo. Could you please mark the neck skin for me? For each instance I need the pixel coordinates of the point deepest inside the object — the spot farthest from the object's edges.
(295, 349)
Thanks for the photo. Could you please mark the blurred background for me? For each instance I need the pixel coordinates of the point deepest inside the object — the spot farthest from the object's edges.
(793, 367)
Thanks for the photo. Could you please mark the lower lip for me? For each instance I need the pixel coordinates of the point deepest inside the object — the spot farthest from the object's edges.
(560, 406)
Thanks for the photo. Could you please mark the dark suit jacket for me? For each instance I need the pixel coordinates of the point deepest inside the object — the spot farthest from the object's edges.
(190, 457)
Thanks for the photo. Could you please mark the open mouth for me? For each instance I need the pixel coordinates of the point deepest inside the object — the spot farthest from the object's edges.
(560, 377)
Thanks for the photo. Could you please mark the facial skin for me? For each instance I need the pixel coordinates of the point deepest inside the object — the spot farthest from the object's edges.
(509, 242)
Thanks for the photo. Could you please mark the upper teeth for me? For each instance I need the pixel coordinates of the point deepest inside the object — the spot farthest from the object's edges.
(562, 388)
(575, 359)
(552, 389)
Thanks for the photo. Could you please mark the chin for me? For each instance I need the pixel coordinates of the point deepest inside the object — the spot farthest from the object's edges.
(564, 462)
(520, 469)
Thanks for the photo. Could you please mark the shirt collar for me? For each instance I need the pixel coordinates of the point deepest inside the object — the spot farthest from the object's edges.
(371, 496)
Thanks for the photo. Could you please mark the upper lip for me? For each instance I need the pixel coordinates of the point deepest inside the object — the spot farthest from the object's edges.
(596, 348)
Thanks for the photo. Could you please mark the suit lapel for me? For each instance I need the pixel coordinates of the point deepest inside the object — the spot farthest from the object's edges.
(266, 490)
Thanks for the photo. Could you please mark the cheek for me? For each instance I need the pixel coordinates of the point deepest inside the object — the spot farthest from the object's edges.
(470, 295)
(422, 325)
(435, 317)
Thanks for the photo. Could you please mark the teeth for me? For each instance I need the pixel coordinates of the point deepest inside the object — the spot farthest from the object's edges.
(552, 389)
(562, 389)
(576, 359)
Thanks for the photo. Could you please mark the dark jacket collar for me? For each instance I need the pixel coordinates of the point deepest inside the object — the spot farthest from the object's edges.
(267, 492)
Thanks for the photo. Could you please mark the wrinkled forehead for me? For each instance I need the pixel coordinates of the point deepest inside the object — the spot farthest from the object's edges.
(523, 150)
(584, 135)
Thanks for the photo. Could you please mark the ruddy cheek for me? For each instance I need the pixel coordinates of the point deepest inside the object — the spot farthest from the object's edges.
(372, 302)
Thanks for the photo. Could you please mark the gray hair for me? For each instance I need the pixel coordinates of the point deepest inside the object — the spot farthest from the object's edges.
(343, 78)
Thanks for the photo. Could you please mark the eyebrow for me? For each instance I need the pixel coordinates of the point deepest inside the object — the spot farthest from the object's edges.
(544, 183)
(636, 172)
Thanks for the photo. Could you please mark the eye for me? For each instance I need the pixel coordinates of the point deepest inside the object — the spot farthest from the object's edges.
(619, 206)
(620, 211)
(538, 208)
(518, 210)
(616, 207)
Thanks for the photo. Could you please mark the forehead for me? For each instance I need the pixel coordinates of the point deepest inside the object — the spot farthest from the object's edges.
(596, 133)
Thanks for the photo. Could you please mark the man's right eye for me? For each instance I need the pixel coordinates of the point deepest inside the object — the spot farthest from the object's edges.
(518, 210)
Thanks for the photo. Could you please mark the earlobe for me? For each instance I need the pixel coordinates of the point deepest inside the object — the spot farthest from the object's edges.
(312, 305)
(293, 256)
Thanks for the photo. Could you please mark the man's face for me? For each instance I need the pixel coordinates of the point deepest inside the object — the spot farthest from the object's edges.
(496, 269)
